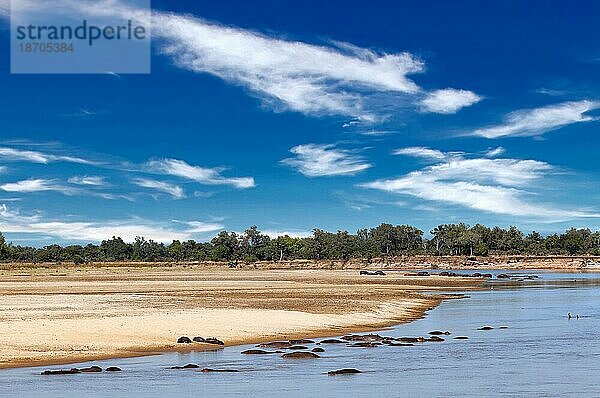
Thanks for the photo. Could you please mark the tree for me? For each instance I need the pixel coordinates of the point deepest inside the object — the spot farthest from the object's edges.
(225, 246)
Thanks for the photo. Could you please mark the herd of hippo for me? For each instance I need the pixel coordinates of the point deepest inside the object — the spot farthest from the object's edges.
(295, 349)
(457, 275)
(301, 348)
(198, 339)
(91, 369)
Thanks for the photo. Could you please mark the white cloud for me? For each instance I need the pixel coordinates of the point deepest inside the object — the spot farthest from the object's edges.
(174, 190)
(87, 180)
(300, 76)
(490, 185)
(13, 221)
(535, 122)
(314, 160)
(203, 227)
(493, 152)
(421, 152)
(203, 175)
(37, 157)
(333, 78)
(448, 100)
(35, 185)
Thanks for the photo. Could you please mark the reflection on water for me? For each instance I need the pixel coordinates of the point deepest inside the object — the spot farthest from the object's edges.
(542, 353)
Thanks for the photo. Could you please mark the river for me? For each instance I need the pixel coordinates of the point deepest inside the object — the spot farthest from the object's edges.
(540, 353)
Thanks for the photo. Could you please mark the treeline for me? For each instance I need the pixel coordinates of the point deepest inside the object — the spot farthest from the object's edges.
(384, 241)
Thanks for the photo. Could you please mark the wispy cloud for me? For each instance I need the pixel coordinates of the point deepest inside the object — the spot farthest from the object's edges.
(13, 221)
(421, 152)
(203, 175)
(36, 185)
(203, 227)
(318, 160)
(174, 190)
(448, 100)
(328, 78)
(489, 185)
(493, 152)
(290, 74)
(13, 154)
(87, 180)
(536, 122)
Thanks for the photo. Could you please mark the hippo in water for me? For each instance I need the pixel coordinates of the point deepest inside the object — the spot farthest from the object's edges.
(188, 366)
(113, 369)
(438, 333)
(343, 372)
(275, 344)
(301, 341)
(91, 369)
(207, 370)
(61, 372)
(300, 355)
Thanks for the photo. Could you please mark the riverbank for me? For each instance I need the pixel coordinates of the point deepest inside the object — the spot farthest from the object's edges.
(415, 262)
(65, 314)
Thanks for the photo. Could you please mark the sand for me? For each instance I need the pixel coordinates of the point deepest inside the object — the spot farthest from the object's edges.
(59, 315)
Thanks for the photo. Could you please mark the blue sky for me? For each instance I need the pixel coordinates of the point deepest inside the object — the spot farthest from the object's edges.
(299, 115)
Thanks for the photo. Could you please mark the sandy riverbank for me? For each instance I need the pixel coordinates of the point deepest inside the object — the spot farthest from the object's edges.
(60, 314)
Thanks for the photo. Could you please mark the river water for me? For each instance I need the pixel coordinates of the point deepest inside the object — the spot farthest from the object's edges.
(542, 353)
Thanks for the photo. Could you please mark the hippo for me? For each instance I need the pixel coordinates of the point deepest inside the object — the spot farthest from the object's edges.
(409, 339)
(392, 344)
(486, 328)
(199, 339)
(275, 344)
(318, 349)
(332, 341)
(113, 369)
(188, 366)
(364, 337)
(461, 338)
(301, 341)
(207, 370)
(213, 340)
(61, 372)
(435, 339)
(364, 344)
(184, 340)
(502, 276)
(439, 333)
(256, 352)
(298, 347)
(300, 355)
(343, 372)
(91, 369)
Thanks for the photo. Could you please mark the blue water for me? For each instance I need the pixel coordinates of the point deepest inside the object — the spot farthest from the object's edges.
(542, 353)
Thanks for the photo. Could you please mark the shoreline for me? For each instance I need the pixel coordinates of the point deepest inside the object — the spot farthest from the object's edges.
(184, 349)
(98, 314)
